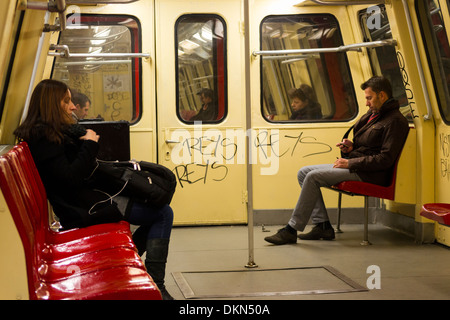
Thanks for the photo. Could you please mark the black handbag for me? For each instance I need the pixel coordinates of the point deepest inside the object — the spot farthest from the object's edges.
(142, 181)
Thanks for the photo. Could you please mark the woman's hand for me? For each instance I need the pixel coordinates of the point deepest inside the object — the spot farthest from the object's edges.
(90, 135)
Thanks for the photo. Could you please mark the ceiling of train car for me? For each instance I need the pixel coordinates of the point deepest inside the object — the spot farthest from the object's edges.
(93, 39)
(195, 40)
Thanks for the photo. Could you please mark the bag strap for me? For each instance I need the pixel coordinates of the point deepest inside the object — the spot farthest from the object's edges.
(135, 164)
(110, 197)
(346, 134)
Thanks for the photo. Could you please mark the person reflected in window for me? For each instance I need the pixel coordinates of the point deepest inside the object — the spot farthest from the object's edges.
(208, 111)
(82, 104)
(304, 104)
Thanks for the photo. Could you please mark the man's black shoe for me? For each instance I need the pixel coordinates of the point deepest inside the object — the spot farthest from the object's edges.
(283, 236)
(322, 230)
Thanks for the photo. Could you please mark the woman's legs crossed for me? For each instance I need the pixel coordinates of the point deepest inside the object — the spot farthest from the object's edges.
(157, 222)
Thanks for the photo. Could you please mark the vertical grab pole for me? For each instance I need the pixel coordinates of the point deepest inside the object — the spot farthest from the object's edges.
(35, 67)
(251, 263)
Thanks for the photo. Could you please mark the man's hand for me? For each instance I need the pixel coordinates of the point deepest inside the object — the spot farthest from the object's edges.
(346, 146)
(341, 163)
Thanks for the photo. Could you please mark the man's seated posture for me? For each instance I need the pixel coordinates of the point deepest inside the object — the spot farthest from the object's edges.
(379, 136)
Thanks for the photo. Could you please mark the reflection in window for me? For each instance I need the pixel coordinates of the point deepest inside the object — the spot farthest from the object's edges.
(323, 78)
(438, 51)
(383, 60)
(201, 68)
(111, 84)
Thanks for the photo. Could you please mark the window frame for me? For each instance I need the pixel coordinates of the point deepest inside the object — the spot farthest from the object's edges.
(403, 99)
(328, 80)
(217, 81)
(136, 63)
(432, 52)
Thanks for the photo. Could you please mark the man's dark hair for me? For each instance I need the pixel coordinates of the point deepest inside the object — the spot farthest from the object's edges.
(378, 84)
(207, 93)
(79, 98)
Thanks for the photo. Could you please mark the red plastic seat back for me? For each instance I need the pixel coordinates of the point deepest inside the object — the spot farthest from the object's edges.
(34, 202)
(26, 160)
(41, 216)
(19, 212)
(32, 186)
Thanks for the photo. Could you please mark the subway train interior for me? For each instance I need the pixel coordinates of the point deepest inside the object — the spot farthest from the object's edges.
(147, 66)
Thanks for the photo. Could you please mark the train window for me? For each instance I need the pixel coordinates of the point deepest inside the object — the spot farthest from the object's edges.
(201, 68)
(100, 1)
(112, 84)
(438, 51)
(384, 60)
(324, 79)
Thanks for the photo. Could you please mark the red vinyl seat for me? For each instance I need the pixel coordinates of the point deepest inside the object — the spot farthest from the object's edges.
(439, 212)
(110, 273)
(27, 163)
(365, 189)
(121, 283)
(93, 261)
(65, 243)
(96, 242)
(69, 243)
(88, 252)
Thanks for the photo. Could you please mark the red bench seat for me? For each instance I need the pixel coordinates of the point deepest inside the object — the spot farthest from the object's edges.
(98, 262)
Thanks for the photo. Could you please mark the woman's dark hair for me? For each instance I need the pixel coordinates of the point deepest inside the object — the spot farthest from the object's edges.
(297, 93)
(309, 92)
(304, 93)
(45, 113)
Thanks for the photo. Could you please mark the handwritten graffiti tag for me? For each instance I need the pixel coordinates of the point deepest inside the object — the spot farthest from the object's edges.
(444, 150)
(205, 156)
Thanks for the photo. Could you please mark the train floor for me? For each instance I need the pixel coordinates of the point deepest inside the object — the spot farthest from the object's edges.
(209, 263)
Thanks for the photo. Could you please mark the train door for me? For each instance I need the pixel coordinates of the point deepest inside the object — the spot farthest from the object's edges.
(433, 16)
(200, 108)
(374, 23)
(434, 23)
(297, 57)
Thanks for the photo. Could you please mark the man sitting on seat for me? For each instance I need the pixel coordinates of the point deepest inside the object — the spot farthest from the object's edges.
(379, 136)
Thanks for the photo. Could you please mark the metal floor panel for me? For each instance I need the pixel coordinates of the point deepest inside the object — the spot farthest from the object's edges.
(264, 282)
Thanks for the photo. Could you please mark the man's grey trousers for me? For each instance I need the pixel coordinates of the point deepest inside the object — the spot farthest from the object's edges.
(310, 203)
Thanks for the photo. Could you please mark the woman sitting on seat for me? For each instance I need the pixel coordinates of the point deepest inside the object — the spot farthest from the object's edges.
(65, 155)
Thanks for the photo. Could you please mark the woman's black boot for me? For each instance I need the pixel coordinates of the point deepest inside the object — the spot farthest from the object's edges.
(155, 262)
(140, 239)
